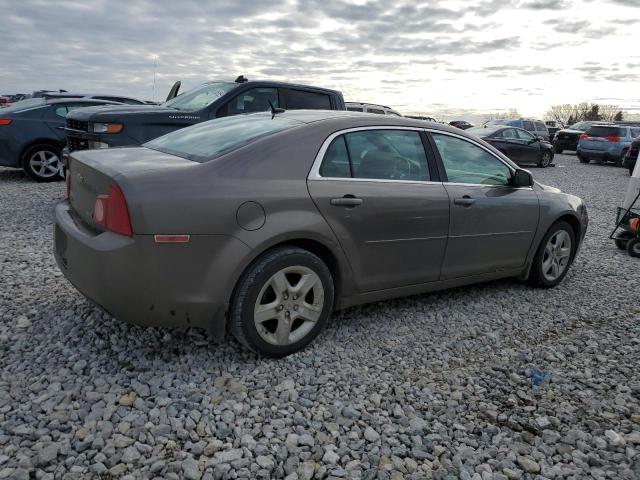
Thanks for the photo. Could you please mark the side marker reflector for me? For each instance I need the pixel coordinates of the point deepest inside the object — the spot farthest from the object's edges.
(172, 238)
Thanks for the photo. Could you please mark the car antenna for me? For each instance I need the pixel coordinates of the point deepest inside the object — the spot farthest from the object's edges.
(275, 109)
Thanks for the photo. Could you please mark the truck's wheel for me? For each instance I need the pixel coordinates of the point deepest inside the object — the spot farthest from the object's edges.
(41, 162)
(281, 302)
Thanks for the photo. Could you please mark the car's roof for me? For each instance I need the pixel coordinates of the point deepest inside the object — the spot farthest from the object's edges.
(367, 103)
(85, 95)
(276, 84)
(56, 100)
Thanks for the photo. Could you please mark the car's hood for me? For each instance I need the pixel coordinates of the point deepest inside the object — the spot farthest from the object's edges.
(123, 113)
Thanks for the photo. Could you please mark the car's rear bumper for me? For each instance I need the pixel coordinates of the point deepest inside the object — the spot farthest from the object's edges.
(141, 282)
(607, 155)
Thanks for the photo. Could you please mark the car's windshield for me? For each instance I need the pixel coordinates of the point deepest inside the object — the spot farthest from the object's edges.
(484, 131)
(200, 97)
(208, 140)
(23, 105)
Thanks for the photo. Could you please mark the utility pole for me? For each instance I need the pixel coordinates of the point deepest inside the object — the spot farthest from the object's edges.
(155, 65)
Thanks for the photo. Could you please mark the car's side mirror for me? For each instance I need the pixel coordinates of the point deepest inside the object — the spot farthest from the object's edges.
(522, 178)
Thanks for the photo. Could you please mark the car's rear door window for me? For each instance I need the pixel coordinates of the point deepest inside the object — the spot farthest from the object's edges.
(377, 155)
(465, 162)
(299, 99)
(508, 133)
(527, 125)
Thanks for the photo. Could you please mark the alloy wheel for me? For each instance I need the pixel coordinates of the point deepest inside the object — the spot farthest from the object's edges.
(289, 305)
(557, 254)
(45, 163)
(546, 159)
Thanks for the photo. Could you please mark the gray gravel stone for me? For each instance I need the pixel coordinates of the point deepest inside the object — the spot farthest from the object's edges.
(431, 386)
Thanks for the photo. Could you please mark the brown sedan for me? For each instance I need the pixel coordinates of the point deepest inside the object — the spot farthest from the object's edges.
(263, 224)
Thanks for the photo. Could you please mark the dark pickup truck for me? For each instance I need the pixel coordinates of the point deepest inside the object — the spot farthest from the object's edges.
(120, 126)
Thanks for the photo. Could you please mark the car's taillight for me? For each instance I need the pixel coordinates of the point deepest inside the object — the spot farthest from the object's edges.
(613, 139)
(111, 211)
(5, 121)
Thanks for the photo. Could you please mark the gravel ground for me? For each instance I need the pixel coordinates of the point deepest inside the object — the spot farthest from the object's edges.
(432, 386)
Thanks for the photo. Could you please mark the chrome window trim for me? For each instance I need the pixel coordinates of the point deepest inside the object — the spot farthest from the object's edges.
(314, 173)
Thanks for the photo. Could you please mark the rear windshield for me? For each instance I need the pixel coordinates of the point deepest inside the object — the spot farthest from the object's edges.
(205, 141)
(606, 132)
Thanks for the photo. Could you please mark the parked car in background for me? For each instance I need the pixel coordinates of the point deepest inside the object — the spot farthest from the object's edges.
(552, 128)
(517, 144)
(32, 134)
(371, 108)
(419, 117)
(631, 157)
(606, 142)
(127, 125)
(262, 224)
(535, 127)
(98, 96)
(567, 138)
(461, 124)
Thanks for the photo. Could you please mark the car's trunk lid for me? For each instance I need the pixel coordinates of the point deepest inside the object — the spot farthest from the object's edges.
(92, 172)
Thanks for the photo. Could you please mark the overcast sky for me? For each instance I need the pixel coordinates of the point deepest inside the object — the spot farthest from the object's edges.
(437, 58)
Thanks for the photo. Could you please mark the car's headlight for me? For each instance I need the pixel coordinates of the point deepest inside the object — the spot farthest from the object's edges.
(107, 127)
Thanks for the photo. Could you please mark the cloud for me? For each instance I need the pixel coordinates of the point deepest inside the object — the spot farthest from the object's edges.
(402, 52)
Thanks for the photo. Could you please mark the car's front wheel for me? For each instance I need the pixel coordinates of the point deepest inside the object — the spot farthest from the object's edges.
(42, 162)
(554, 256)
(583, 159)
(545, 159)
(281, 302)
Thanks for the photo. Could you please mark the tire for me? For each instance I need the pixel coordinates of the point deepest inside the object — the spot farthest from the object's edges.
(633, 247)
(258, 286)
(541, 268)
(583, 159)
(557, 149)
(620, 161)
(42, 162)
(545, 159)
(622, 239)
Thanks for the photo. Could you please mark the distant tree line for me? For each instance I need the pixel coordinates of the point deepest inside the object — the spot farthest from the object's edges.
(569, 114)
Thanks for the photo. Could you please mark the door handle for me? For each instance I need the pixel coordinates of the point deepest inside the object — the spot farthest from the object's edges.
(346, 201)
(465, 201)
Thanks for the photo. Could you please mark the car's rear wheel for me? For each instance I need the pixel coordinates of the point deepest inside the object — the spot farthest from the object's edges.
(545, 159)
(622, 239)
(281, 302)
(42, 162)
(554, 256)
(583, 159)
(633, 247)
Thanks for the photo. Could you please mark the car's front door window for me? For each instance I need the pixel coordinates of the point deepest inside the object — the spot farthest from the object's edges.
(465, 162)
(253, 100)
(377, 155)
(525, 136)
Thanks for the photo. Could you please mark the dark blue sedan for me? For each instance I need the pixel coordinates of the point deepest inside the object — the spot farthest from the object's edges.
(32, 134)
